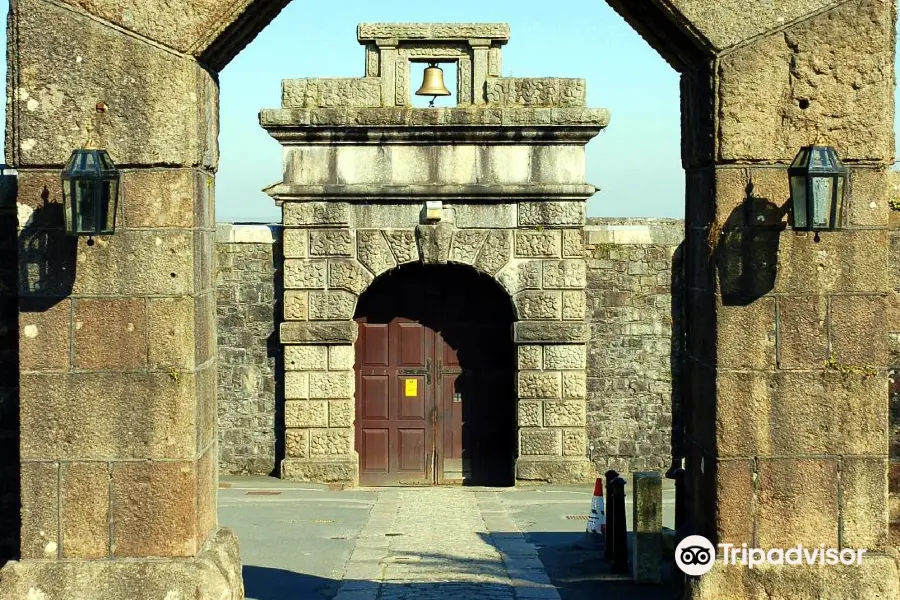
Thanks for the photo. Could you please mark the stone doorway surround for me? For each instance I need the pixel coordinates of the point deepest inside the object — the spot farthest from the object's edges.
(508, 166)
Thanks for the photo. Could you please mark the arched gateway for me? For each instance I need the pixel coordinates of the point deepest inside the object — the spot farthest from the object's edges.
(495, 184)
(435, 379)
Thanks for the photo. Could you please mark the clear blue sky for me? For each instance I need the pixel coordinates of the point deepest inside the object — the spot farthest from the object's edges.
(635, 162)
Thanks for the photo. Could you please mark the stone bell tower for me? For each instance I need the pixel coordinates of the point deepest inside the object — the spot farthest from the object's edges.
(370, 184)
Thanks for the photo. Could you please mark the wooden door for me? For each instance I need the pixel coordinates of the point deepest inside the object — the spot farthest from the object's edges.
(396, 419)
(452, 456)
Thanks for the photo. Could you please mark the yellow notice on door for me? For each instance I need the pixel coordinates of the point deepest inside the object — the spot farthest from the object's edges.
(411, 387)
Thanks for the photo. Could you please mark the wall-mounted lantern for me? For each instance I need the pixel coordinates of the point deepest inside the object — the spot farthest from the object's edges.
(90, 183)
(817, 182)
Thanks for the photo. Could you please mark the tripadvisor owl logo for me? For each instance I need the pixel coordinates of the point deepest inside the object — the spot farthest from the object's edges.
(695, 555)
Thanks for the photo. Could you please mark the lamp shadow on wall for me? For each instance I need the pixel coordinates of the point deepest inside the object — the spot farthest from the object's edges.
(745, 253)
(40, 275)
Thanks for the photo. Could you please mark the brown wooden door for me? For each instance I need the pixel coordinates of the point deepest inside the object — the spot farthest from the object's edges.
(396, 419)
(452, 460)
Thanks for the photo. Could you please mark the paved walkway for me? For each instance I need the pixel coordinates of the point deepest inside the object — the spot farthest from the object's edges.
(440, 543)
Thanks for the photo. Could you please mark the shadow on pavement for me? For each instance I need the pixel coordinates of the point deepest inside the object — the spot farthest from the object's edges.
(265, 583)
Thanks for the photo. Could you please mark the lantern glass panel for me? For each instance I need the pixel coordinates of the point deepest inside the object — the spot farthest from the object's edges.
(86, 202)
(798, 196)
(822, 197)
(109, 189)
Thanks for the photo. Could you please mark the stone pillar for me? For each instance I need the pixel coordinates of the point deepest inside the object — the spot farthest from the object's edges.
(117, 346)
(647, 525)
(786, 337)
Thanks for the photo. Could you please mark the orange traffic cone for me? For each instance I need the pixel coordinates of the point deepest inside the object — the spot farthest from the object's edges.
(597, 519)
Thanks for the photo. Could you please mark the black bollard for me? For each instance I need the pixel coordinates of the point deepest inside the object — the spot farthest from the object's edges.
(620, 528)
(610, 516)
(680, 498)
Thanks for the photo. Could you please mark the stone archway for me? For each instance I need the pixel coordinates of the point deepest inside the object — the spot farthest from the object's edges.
(445, 333)
(756, 79)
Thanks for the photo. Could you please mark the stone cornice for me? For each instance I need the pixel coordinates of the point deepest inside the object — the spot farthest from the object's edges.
(415, 193)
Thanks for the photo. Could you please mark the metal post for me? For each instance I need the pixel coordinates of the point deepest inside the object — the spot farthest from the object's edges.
(610, 516)
(680, 498)
(620, 528)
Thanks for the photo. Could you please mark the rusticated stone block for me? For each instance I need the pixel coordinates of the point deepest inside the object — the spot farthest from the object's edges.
(341, 358)
(295, 243)
(538, 244)
(540, 442)
(158, 198)
(555, 470)
(570, 273)
(306, 358)
(574, 306)
(321, 470)
(533, 214)
(171, 331)
(340, 413)
(348, 275)
(746, 335)
(520, 275)
(868, 198)
(154, 509)
(574, 442)
(296, 443)
(335, 384)
(538, 385)
(403, 245)
(330, 442)
(565, 357)
(466, 245)
(564, 413)
(530, 358)
(530, 414)
(797, 502)
(84, 489)
(536, 91)
(215, 574)
(53, 424)
(559, 333)
(792, 413)
(111, 334)
(802, 338)
(573, 243)
(495, 252)
(734, 491)
(537, 305)
(330, 242)
(320, 214)
(44, 334)
(324, 332)
(304, 274)
(574, 385)
(771, 90)
(296, 305)
(858, 335)
(40, 510)
(843, 261)
(178, 133)
(296, 385)
(331, 305)
(374, 252)
(864, 503)
(305, 413)
(331, 92)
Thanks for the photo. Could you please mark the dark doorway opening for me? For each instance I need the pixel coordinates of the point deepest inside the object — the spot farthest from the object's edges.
(436, 387)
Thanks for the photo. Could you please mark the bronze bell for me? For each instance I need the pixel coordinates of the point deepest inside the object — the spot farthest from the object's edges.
(433, 83)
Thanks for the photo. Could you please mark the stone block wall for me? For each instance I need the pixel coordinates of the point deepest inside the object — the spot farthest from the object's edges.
(632, 359)
(248, 292)
(634, 287)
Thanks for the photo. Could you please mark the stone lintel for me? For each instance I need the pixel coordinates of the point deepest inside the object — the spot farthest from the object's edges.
(320, 332)
(550, 332)
(513, 124)
(370, 32)
(417, 193)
